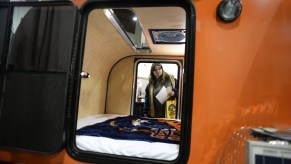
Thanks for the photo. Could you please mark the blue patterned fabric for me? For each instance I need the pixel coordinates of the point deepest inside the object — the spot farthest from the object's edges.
(133, 128)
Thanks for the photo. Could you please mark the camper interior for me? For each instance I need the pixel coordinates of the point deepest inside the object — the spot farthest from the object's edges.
(120, 47)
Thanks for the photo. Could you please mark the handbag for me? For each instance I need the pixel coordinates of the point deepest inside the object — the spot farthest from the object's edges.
(170, 111)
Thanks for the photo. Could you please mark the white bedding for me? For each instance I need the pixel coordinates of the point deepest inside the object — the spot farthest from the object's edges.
(153, 150)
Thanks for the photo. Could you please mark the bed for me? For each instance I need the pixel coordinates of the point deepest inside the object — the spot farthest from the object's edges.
(156, 148)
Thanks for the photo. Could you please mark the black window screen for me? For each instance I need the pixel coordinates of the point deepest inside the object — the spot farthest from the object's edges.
(3, 18)
(33, 106)
(32, 117)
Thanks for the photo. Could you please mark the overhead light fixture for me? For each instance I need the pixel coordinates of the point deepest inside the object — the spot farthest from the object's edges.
(229, 10)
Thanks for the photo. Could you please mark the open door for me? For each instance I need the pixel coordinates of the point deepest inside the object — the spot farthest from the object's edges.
(141, 80)
(109, 46)
(36, 47)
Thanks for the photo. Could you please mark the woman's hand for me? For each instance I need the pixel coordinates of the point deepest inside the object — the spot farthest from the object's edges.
(172, 93)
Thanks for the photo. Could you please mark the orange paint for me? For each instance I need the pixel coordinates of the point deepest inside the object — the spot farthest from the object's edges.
(31, 158)
(242, 74)
(242, 78)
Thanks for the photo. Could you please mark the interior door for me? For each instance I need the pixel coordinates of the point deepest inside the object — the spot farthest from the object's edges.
(36, 48)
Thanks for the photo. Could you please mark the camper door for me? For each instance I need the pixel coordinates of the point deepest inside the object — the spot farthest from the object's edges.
(36, 52)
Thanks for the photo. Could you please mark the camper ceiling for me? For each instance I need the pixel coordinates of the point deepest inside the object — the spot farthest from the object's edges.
(162, 18)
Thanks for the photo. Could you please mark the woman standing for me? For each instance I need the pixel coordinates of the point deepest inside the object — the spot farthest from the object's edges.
(157, 80)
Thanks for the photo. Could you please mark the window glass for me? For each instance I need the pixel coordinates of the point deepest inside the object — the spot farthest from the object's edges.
(41, 39)
(3, 18)
(34, 90)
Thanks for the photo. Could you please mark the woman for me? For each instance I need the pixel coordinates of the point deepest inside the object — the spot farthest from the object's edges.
(157, 80)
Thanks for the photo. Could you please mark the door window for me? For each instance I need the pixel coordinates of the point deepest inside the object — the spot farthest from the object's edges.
(35, 77)
(3, 18)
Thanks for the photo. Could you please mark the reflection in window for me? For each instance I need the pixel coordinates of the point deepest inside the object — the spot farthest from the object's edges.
(3, 18)
(40, 39)
(35, 92)
(127, 23)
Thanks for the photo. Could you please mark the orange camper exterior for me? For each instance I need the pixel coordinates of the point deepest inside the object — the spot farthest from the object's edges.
(242, 74)
(241, 79)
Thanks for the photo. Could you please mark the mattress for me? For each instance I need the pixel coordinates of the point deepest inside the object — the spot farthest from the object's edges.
(133, 148)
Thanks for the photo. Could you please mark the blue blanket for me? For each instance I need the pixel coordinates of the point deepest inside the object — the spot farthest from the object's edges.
(133, 128)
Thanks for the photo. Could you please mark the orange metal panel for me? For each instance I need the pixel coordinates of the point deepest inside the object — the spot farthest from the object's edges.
(31, 158)
(242, 73)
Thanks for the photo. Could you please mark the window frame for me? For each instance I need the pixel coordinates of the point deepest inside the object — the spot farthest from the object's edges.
(188, 79)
